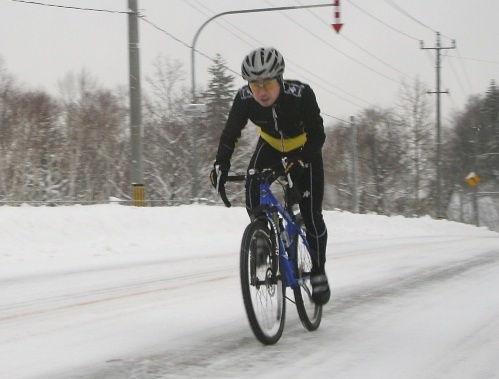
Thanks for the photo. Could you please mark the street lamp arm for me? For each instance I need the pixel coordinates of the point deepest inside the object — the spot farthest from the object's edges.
(193, 47)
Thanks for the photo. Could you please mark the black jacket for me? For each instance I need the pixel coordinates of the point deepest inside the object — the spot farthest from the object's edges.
(294, 113)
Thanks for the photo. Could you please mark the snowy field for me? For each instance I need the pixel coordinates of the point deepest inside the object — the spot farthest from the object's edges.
(108, 291)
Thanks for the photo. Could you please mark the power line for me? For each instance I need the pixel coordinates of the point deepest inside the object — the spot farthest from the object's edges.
(336, 118)
(329, 84)
(407, 14)
(219, 23)
(384, 23)
(70, 7)
(458, 78)
(361, 48)
(472, 59)
(375, 57)
(398, 8)
(143, 18)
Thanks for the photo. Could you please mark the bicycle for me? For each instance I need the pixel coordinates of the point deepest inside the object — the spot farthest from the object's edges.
(274, 256)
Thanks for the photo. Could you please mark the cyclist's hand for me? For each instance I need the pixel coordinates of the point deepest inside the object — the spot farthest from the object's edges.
(218, 177)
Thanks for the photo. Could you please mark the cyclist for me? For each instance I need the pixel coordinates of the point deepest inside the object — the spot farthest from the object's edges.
(288, 120)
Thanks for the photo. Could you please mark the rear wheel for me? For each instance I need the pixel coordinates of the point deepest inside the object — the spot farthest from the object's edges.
(261, 283)
(309, 312)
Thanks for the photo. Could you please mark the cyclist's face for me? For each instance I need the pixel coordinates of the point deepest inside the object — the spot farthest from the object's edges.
(265, 91)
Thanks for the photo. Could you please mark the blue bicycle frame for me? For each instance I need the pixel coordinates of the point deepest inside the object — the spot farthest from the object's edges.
(273, 206)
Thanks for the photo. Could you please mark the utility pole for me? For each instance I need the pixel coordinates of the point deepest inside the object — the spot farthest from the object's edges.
(437, 48)
(353, 146)
(136, 170)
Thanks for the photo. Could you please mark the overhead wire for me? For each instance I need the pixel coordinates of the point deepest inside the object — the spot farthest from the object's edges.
(466, 76)
(375, 57)
(144, 18)
(332, 85)
(461, 86)
(414, 19)
(465, 73)
(473, 59)
(382, 22)
(455, 74)
(70, 7)
(360, 47)
(220, 23)
(398, 8)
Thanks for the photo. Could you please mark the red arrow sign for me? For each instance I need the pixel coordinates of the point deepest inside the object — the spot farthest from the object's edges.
(337, 16)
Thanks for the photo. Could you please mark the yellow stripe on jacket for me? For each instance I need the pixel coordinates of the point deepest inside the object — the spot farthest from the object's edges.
(285, 144)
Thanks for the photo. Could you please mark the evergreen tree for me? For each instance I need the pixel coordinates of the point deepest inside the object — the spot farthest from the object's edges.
(220, 93)
(218, 99)
(489, 154)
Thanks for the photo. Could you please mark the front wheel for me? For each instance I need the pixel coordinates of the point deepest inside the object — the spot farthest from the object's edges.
(309, 312)
(261, 283)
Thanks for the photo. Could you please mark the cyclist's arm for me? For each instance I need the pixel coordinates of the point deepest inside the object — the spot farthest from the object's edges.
(313, 125)
(237, 120)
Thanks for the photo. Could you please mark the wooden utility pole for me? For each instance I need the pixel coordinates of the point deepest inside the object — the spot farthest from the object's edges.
(437, 48)
(353, 147)
(136, 169)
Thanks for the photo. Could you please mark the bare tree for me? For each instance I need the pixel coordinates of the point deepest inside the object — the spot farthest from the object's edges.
(95, 131)
(414, 117)
(338, 167)
(167, 135)
(380, 161)
(29, 136)
(7, 141)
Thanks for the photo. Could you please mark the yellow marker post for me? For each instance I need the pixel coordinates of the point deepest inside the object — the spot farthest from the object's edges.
(138, 195)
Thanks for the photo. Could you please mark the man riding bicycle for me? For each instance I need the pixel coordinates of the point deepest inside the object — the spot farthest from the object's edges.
(288, 120)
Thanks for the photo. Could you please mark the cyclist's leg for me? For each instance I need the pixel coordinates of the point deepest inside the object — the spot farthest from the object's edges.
(312, 187)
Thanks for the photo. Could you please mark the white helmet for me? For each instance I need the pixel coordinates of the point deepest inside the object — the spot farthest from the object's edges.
(262, 63)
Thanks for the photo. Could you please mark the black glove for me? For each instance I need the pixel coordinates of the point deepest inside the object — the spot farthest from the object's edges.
(218, 177)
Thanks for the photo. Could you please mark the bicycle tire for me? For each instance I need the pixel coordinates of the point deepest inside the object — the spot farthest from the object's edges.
(261, 283)
(310, 313)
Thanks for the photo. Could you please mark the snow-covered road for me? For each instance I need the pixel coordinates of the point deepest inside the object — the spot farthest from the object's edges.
(121, 292)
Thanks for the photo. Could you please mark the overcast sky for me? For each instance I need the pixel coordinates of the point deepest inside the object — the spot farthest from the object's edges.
(377, 50)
